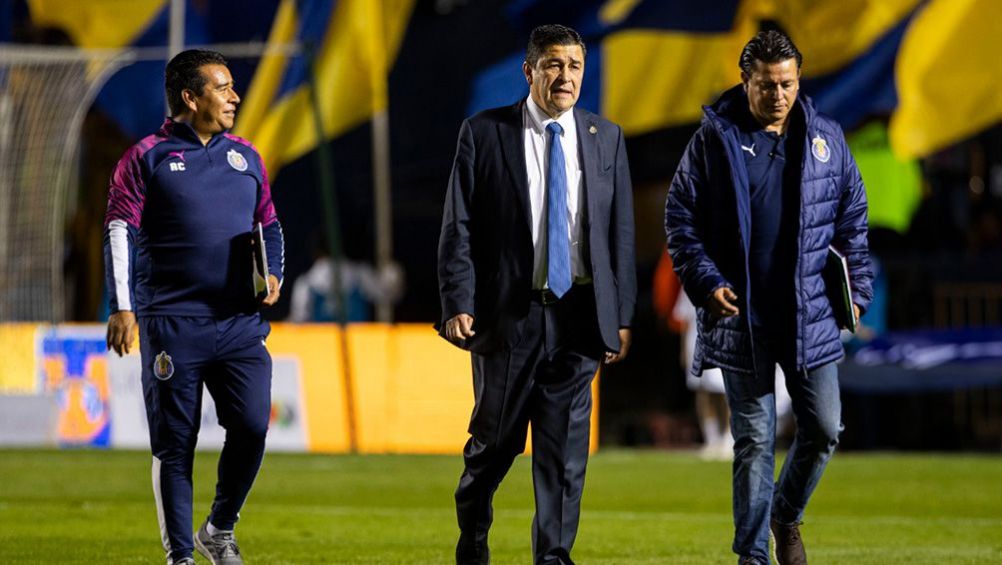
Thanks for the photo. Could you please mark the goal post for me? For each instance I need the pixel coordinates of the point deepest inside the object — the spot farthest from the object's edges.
(45, 93)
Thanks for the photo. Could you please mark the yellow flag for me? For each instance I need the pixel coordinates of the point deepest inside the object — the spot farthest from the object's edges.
(661, 78)
(97, 23)
(351, 69)
(656, 79)
(830, 35)
(949, 75)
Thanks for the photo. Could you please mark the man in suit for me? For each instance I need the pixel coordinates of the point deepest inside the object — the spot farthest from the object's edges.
(537, 280)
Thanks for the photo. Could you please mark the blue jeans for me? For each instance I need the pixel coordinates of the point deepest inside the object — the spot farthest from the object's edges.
(817, 407)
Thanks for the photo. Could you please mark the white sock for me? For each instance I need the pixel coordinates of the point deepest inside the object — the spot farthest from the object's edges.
(727, 441)
(711, 431)
(214, 531)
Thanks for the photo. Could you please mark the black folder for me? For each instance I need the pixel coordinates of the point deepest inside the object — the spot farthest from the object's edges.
(259, 277)
(839, 290)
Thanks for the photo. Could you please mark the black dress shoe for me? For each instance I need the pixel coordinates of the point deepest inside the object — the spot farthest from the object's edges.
(472, 551)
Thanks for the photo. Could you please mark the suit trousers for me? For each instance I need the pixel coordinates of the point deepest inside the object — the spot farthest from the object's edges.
(544, 378)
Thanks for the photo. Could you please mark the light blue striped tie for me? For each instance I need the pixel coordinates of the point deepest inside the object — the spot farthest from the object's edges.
(558, 273)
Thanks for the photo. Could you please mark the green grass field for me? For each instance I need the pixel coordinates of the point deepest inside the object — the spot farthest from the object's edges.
(639, 507)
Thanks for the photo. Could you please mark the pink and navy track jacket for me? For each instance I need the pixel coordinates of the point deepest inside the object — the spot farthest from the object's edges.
(177, 229)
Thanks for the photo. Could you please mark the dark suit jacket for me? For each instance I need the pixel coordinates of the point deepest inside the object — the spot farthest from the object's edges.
(485, 253)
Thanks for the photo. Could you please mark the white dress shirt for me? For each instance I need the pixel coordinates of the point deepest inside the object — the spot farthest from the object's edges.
(537, 151)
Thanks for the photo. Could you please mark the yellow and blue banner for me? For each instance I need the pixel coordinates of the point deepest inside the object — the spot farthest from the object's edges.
(99, 23)
(134, 96)
(351, 45)
(651, 64)
(948, 74)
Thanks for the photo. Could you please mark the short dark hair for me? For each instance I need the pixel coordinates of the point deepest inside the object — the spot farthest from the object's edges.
(183, 74)
(546, 36)
(768, 47)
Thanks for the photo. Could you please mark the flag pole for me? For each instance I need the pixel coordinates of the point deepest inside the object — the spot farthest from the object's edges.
(380, 129)
(383, 203)
(332, 224)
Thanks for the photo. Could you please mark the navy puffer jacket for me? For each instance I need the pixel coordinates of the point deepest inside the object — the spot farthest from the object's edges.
(708, 224)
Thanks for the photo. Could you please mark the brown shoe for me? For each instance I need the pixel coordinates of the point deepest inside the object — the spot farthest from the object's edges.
(789, 546)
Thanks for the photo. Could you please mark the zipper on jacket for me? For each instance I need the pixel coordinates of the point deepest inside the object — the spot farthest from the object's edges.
(802, 310)
(744, 252)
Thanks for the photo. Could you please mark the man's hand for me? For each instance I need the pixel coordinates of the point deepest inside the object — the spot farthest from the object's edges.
(121, 329)
(459, 327)
(273, 291)
(721, 303)
(625, 339)
(855, 312)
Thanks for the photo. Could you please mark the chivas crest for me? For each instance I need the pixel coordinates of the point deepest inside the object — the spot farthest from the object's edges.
(820, 150)
(163, 366)
(236, 160)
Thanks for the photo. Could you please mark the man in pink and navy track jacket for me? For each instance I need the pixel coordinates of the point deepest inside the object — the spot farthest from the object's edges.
(178, 258)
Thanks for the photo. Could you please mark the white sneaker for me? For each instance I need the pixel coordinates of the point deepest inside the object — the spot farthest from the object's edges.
(220, 549)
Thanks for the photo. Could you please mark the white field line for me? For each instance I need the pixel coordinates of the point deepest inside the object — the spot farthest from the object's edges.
(587, 514)
(629, 516)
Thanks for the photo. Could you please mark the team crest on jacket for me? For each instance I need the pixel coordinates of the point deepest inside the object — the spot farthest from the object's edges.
(236, 160)
(820, 150)
(163, 366)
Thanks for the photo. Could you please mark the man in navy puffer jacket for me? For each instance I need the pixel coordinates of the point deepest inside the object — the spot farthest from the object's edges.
(766, 185)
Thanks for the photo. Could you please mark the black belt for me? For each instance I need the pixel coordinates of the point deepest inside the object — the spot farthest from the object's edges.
(544, 296)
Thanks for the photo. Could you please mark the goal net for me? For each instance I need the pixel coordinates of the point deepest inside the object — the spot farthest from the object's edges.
(44, 95)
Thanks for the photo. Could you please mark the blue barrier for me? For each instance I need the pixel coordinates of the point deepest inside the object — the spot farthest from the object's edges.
(925, 361)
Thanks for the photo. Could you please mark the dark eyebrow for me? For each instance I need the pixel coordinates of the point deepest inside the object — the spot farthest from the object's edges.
(560, 60)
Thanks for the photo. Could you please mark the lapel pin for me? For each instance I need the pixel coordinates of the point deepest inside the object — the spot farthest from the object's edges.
(593, 130)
